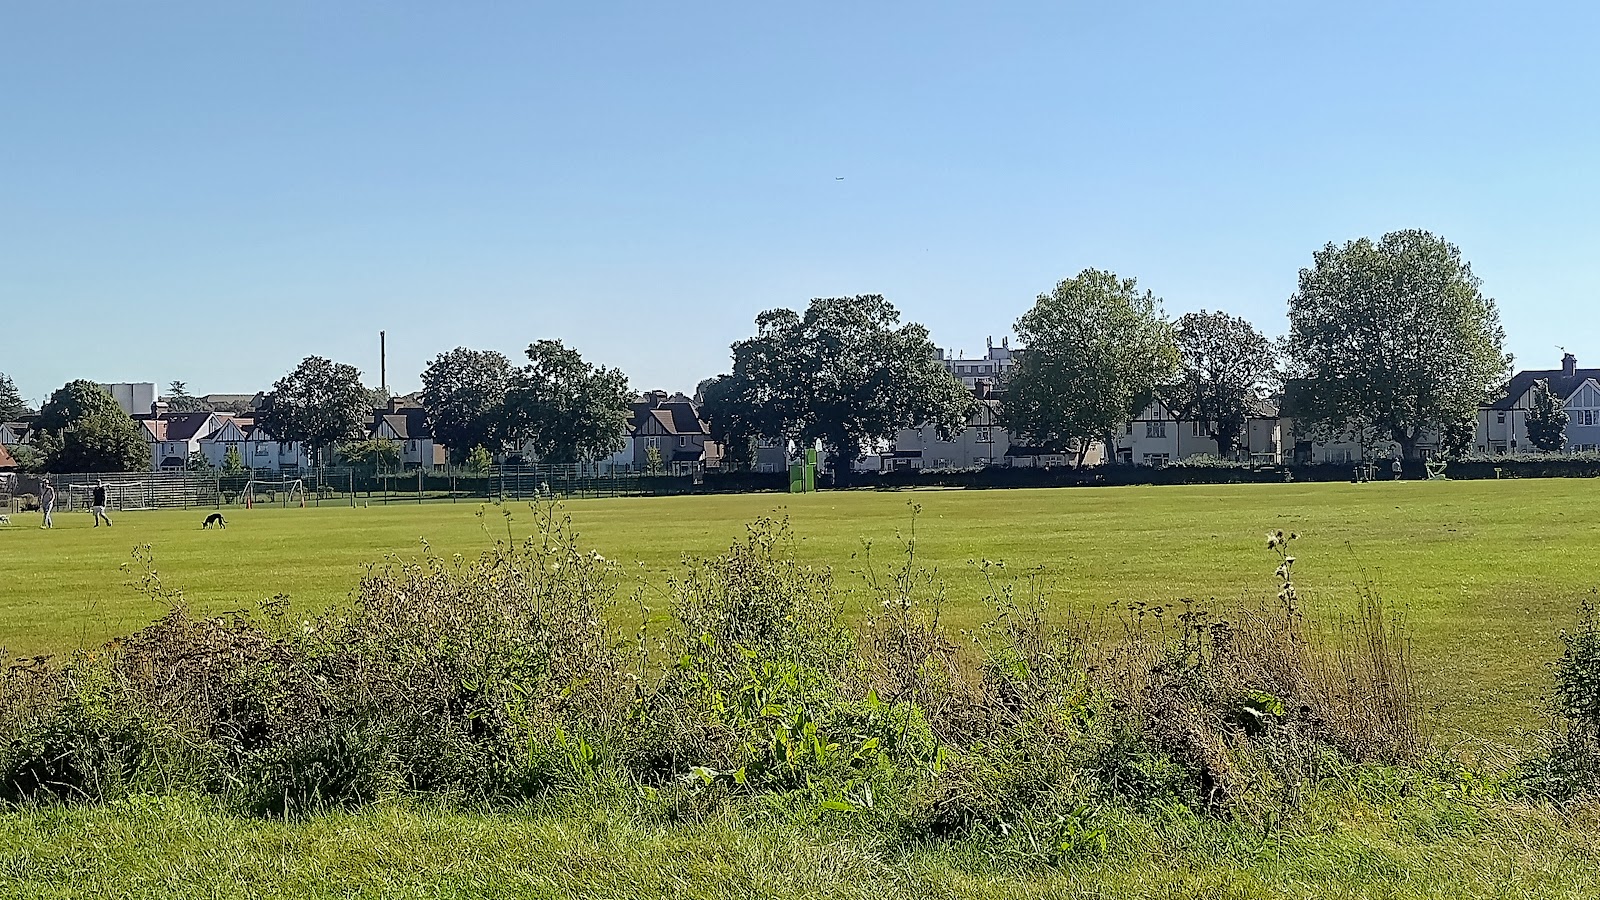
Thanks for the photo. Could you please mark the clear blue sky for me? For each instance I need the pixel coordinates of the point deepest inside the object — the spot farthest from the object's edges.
(209, 192)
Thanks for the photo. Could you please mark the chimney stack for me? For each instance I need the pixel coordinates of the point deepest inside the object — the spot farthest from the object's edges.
(1569, 365)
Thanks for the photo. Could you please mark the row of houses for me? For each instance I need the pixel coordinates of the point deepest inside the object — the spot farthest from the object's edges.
(670, 432)
(1160, 435)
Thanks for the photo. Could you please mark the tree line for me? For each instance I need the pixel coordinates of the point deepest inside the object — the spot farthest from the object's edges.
(1391, 339)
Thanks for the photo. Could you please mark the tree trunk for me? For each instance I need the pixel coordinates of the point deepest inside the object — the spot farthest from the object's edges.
(1227, 441)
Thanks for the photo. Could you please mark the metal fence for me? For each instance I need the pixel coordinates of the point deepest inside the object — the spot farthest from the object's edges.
(216, 489)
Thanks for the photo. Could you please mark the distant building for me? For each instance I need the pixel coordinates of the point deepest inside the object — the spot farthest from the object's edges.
(1503, 423)
(135, 398)
(992, 368)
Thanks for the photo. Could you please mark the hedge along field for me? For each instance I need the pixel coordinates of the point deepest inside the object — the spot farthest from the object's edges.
(1487, 572)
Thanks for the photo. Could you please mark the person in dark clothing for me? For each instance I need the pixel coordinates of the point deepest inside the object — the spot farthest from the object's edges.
(100, 505)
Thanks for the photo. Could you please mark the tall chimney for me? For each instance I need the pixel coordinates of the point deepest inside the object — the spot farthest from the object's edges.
(383, 364)
(1569, 365)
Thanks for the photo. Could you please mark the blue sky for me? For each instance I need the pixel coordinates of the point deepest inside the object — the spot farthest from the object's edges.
(209, 192)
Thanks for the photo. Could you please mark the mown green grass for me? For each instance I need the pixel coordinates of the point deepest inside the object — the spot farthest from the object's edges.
(1487, 572)
(1343, 846)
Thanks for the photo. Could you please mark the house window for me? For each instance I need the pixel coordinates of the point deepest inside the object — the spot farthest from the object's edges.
(1155, 429)
(1130, 428)
(1499, 418)
(652, 443)
(1125, 457)
(413, 446)
(985, 435)
(1199, 428)
(683, 442)
(1156, 459)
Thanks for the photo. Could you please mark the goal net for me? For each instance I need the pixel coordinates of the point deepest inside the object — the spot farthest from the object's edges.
(119, 495)
(275, 492)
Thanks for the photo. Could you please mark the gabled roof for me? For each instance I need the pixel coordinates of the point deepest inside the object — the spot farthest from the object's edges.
(155, 429)
(397, 424)
(7, 461)
(1561, 384)
(185, 426)
(675, 417)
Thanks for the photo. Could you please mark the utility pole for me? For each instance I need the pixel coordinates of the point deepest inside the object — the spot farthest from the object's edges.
(383, 364)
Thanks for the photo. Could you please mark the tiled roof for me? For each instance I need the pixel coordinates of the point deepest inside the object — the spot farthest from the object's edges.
(1561, 384)
(6, 459)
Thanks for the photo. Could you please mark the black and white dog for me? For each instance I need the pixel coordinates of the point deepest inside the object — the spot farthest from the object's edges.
(215, 519)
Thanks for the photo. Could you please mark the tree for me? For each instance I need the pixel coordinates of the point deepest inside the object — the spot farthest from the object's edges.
(847, 372)
(1226, 369)
(1097, 351)
(465, 393)
(722, 403)
(1392, 336)
(568, 410)
(1547, 419)
(232, 461)
(479, 460)
(377, 454)
(12, 406)
(179, 400)
(320, 403)
(81, 428)
(30, 458)
(197, 462)
(652, 460)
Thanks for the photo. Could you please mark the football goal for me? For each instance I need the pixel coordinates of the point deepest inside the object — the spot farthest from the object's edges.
(119, 495)
(275, 492)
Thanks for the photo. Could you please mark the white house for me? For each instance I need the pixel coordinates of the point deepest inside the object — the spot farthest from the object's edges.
(264, 453)
(407, 428)
(992, 368)
(172, 437)
(983, 441)
(1503, 424)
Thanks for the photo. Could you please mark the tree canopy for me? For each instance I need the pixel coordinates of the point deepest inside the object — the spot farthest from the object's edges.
(566, 409)
(320, 403)
(12, 406)
(1226, 370)
(845, 372)
(1392, 336)
(1547, 419)
(179, 399)
(1098, 349)
(82, 428)
(465, 394)
(722, 402)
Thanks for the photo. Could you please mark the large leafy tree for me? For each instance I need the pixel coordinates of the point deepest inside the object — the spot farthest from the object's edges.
(1547, 419)
(1392, 337)
(1098, 349)
(1226, 368)
(83, 429)
(723, 404)
(846, 372)
(179, 400)
(12, 406)
(566, 409)
(465, 393)
(320, 403)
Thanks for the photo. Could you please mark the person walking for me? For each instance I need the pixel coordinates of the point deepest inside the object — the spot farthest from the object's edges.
(1396, 468)
(100, 505)
(47, 502)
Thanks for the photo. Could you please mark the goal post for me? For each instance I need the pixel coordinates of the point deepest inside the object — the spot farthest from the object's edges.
(275, 492)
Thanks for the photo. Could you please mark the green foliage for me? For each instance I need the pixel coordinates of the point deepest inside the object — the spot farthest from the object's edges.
(320, 403)
(652, 460)
(232, 461)
(465, 394)
(82, 429)
(722, 405)
(197, 462)
(1392, 335)
(1097, 351)
(378, 454)
(1547, 419)
(179, 400)
(29, 458)
(567, 409)
(479, 460)
(12, 406)
(1226, 368)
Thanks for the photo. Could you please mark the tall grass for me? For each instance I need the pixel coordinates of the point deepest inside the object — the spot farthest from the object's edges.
(507, 677)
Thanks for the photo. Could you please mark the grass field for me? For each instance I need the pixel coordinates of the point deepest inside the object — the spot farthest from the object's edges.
(1488, 572)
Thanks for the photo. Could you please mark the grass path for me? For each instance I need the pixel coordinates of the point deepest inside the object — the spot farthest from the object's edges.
(1489, 572)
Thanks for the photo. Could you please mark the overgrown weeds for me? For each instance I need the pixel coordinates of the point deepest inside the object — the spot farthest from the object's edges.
(506, 677)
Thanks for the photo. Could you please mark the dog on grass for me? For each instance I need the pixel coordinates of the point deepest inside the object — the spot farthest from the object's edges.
(215, 519)
(5, 519)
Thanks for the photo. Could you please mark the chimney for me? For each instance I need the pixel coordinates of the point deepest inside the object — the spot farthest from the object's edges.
(1569, 365)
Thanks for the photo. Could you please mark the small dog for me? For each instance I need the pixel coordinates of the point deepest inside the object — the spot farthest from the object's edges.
(215, 519)
(5, 519)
